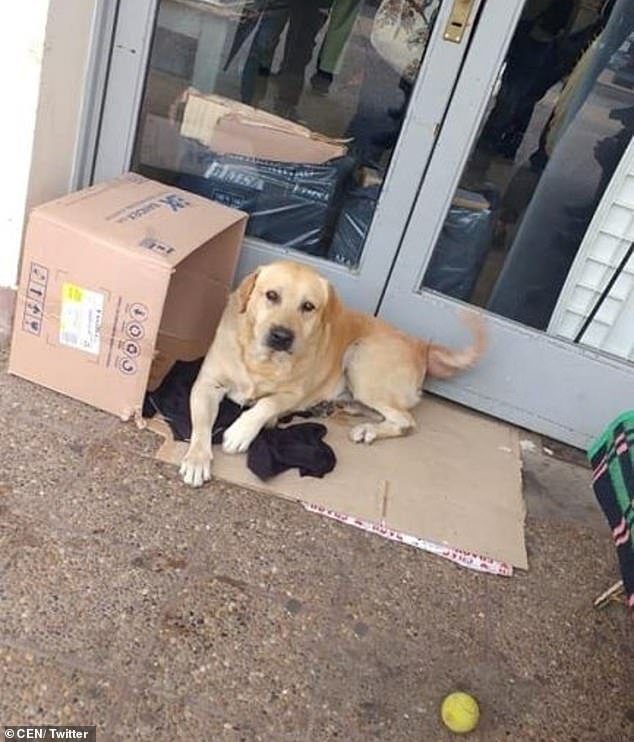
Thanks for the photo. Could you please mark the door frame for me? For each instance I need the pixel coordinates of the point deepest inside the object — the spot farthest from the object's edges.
(363, 286)
(527, 377)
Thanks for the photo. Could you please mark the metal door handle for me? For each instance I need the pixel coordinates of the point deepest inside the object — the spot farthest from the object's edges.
(457, 23)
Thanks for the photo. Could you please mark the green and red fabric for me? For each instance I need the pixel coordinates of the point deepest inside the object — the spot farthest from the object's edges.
(612, 458)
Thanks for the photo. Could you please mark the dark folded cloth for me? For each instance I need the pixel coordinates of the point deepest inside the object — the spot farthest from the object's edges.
(273, 451)
(297, 446)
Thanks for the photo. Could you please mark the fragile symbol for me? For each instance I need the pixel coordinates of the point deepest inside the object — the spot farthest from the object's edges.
(35, 300)
(38, 273)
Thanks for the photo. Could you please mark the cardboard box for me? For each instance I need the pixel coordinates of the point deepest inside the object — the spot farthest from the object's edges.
(229, 127)
(161, 145)
(118, 281)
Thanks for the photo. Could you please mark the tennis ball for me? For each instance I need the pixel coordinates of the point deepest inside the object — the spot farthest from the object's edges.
(460, 712)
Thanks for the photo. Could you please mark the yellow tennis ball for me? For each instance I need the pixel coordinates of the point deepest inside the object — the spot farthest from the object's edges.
(460, 712)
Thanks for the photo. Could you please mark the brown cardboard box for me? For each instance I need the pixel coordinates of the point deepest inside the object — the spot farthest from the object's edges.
(118, 281)
(161, 145)
(230, 127)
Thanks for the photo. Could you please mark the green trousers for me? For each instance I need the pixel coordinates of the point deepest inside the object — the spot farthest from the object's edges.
(340, 21)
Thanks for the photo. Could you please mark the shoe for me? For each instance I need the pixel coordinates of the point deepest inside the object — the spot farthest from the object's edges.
(321, 82)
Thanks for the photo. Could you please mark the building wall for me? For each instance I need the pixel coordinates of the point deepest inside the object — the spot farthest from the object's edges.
(44, 58)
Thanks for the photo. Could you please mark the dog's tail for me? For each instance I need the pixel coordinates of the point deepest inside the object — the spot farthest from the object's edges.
(443, 362)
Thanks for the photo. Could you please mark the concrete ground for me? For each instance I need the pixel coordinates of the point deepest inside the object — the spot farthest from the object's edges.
(130, 602)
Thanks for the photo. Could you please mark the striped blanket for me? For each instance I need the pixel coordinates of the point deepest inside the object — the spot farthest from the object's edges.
(612, 458)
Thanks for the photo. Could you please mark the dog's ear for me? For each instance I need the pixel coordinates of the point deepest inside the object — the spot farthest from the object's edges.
(244, 290)
(333, 304)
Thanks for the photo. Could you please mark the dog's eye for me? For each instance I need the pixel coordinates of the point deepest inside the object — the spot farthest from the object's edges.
(273, 296)
(307, 306)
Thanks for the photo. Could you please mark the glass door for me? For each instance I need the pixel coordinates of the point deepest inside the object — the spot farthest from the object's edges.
(527, 212)
(317, 117)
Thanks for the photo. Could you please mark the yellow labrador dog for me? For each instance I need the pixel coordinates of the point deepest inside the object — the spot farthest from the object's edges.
(287, 343)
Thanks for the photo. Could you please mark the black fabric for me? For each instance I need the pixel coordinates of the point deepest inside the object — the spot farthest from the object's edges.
(273, 451)
(171, 399)
(357, 210)
(297, 446)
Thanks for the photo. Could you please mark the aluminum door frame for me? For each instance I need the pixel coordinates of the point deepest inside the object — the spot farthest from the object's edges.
(527, 377)
(362, 287)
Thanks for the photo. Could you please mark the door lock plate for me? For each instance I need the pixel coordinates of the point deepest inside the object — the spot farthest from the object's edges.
(457, 23)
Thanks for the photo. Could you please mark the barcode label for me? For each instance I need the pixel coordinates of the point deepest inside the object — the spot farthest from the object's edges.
(80, 321)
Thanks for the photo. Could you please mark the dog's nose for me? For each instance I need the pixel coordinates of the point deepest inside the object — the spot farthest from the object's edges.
(280, 338)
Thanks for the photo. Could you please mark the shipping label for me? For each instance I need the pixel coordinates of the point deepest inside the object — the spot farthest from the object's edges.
(80, 320)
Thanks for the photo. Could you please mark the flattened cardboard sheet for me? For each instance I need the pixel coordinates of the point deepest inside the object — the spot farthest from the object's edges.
(455, 482)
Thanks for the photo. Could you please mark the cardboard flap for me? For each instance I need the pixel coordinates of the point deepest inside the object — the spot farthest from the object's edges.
(195, 301)
(204, 112)
(155, 222)
(230, 127)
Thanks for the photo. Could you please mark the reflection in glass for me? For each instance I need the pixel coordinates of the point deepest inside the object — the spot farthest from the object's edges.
(560, 123)
(286, 109)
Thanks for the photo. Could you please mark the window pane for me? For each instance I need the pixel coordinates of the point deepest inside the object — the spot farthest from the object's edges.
(286, 109)
(560, 121)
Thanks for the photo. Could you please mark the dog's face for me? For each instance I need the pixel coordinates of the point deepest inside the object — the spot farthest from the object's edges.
(286, 304)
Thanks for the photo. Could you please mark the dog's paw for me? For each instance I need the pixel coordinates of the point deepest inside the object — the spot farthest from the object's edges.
(364, 433)
(196, 466)
(238, 437)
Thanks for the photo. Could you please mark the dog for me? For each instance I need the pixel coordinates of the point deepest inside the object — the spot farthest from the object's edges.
(286, 343)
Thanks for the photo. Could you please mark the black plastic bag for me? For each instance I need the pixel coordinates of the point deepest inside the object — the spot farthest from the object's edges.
(460, 252)
(457, 258)
(292, 205)
(353, 225)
